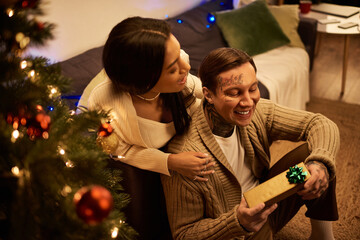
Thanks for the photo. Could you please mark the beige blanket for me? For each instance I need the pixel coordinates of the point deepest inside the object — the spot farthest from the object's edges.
(285, 73)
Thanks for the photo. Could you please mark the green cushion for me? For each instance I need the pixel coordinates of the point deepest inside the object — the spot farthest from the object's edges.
(251, 28)
(288, 19)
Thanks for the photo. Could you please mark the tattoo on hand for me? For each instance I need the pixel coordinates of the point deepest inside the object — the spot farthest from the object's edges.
(321, 165)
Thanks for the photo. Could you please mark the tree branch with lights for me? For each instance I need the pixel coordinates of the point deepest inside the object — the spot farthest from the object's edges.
(55, 181)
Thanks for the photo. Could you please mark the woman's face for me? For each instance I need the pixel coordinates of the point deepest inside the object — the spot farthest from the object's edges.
(237, 94)
(174, 71)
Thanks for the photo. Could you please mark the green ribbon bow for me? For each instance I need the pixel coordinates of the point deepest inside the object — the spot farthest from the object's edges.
(296, 175)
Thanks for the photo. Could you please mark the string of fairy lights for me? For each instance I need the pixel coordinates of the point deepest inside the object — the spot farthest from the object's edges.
(66, 190)
(210, 19)
(41, 130)
(43, 122)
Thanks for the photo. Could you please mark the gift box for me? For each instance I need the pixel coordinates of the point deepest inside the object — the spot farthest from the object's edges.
(279, 187)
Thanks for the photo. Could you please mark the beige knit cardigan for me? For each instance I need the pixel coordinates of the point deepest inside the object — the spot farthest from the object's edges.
(207, 210)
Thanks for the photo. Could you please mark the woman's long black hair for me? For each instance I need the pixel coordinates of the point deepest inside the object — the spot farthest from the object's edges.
(133, 58)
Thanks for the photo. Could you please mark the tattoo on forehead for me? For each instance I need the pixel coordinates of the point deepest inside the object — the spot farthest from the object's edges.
(233, 80)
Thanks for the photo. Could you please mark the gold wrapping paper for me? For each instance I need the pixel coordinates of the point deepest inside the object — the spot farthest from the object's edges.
(275, 189)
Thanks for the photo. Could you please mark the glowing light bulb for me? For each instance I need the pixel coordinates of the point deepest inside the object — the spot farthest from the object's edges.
(15, 134)
(211, 18)
(23, 64)
(15, 170)
(66, 190)
(114, 232)
(19, 36)
(45, 135)
(69, 164)
(10, 12)
(24, 42)
(53, 91)
(61, 151)
(31, 75)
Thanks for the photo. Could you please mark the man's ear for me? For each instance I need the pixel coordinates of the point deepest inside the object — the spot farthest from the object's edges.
(208, 95)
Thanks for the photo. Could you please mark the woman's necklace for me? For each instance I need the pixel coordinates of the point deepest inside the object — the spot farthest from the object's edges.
(148, 99)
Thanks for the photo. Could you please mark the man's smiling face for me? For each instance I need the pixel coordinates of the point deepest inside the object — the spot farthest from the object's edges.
(237, 94)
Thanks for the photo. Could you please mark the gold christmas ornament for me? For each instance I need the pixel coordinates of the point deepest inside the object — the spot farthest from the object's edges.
(109, 143)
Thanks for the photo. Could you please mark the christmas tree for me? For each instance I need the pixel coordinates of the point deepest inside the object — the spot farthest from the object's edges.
(55, 182)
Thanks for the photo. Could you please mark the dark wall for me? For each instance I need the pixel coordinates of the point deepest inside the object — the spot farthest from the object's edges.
(355, 3)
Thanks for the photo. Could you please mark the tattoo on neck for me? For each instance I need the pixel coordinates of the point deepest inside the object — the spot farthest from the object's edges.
(233, 80)
(217, 124)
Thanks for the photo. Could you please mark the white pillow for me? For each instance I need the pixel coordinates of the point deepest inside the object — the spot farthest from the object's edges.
(236, 4)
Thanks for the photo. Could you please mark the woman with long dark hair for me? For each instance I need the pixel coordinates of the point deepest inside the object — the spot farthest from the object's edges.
(149, 92)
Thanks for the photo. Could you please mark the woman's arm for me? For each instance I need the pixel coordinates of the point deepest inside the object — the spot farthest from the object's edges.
(150, 159)
(189, 164)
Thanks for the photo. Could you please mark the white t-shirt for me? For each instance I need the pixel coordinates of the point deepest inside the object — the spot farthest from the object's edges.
(235, 154)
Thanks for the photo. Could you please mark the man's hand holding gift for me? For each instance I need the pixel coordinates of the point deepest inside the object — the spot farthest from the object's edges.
(317, 183)
(252, 219)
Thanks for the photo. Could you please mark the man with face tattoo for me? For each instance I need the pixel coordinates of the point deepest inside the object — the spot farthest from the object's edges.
(236, 128)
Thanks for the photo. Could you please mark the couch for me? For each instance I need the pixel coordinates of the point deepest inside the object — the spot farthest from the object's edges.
(197, 37)
(146, 211)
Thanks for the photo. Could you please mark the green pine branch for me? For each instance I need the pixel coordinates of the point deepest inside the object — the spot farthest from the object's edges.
(52, 166)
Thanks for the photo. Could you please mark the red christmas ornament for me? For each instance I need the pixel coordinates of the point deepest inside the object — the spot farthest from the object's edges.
(40, 26)
(19, 118)
(39, 125)
(37, 121)
(93, 204)
(28, 3)
(105, 130)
